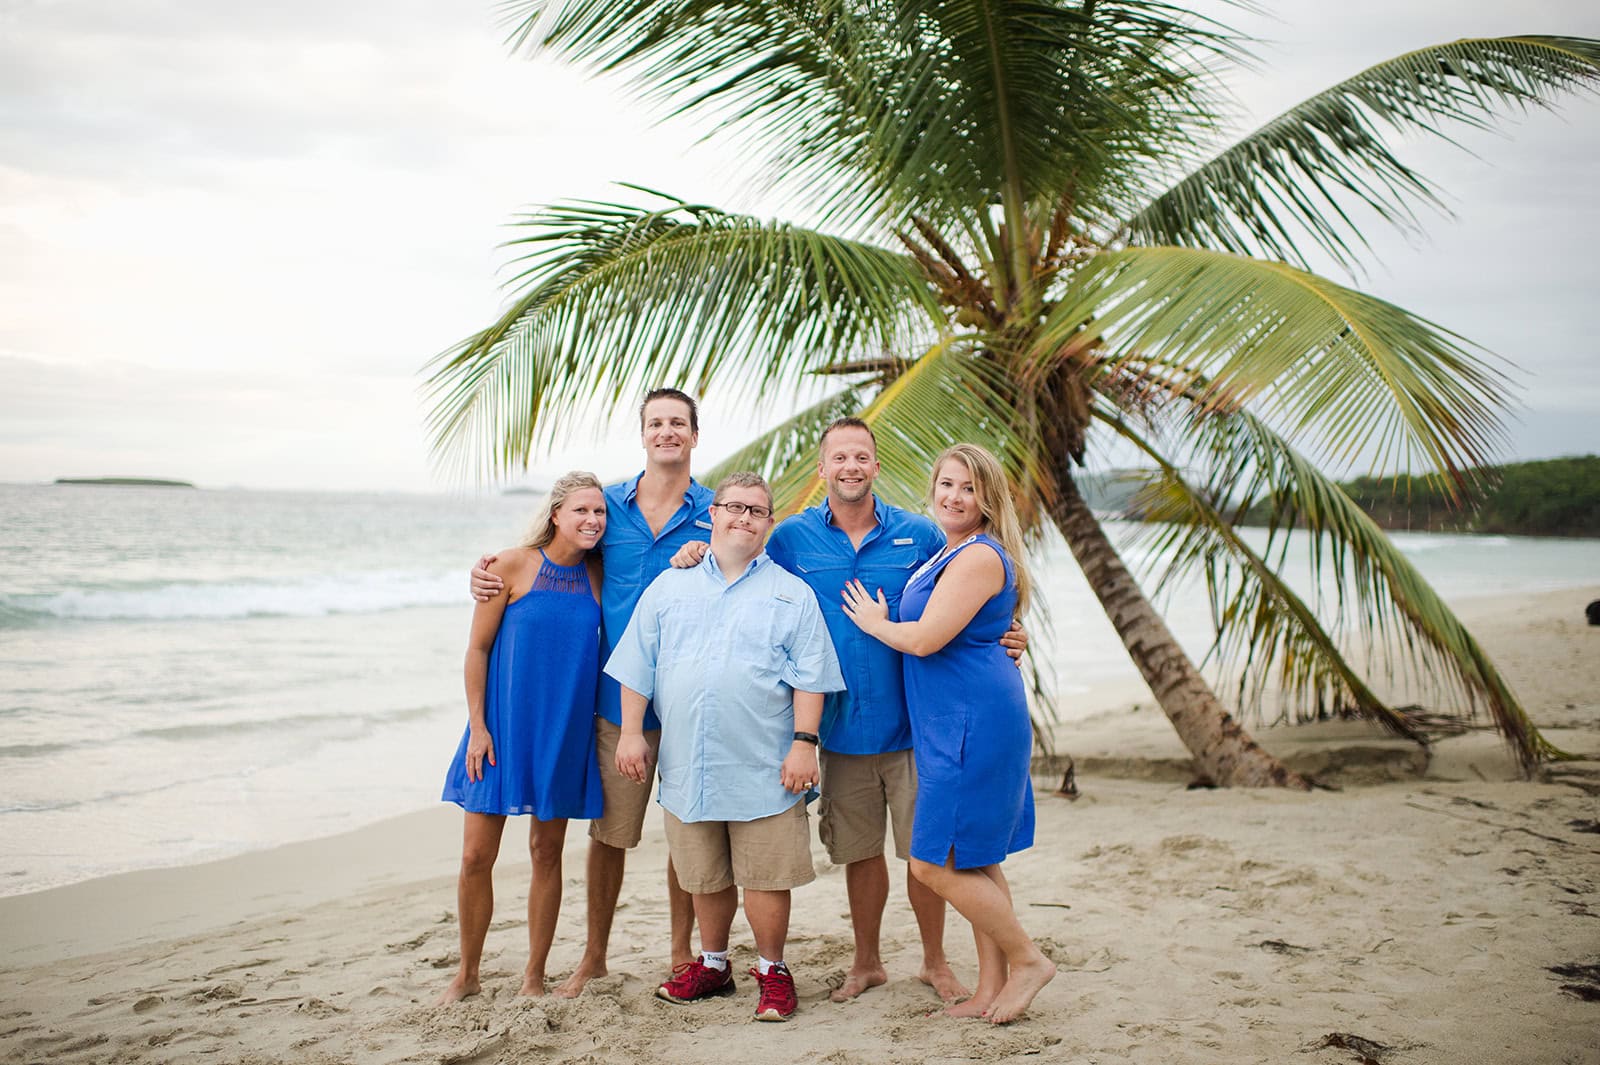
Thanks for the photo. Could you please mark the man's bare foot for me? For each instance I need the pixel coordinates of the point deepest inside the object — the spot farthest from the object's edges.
(943, 981)
(856, 982)
(460, 988)
(1025, 981)
(975, 1006)
(532, 985)
(572, 986)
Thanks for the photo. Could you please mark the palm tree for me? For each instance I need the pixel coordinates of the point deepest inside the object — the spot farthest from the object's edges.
(1022, 230)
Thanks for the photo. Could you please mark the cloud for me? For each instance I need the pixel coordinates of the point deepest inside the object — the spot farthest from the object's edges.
(249, 226)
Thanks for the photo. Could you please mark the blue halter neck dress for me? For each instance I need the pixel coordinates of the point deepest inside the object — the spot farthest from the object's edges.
(539, 705)
(971, 736)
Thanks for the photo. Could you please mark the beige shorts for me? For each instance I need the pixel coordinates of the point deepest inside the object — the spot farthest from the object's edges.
(767, 854)
(858, 791)
(622, 822)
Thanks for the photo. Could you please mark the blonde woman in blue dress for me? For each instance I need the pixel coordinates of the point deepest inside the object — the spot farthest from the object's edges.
(971, 737)
(533, 660)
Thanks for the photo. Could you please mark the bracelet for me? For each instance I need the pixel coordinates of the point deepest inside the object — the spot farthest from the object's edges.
(809, 737)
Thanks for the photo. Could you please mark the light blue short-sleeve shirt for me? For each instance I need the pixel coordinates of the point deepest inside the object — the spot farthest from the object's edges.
(722, 662)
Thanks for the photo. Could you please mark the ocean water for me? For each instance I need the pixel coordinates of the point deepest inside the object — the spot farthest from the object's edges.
(186, 675)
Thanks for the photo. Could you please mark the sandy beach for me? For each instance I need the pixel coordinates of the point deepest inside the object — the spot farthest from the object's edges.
(1430, 910)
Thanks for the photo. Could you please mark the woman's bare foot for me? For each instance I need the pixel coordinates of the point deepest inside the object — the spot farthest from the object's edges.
(943, 981)
(572, 986)
(461, 987)
(1025, 981)
(976, 1006)
(857, 981)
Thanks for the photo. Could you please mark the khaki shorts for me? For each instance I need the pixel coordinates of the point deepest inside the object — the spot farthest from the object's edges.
(767, 854)
(857, 791)
(622, 822)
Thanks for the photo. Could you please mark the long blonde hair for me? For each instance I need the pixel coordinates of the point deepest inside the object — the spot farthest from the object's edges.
(544, 522)
(994, 503)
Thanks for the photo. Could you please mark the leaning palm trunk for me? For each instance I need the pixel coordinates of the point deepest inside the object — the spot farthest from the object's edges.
(1222, 749)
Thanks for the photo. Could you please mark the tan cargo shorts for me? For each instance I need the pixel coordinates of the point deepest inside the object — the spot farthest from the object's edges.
(622, 822)
(767, 854)
(862, 794)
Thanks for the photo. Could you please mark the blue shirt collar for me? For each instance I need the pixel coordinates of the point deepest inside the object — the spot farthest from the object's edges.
(879, 510)
(633, 489)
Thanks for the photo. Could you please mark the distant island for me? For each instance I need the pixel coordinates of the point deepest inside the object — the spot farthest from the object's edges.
(1550, 497)
(144, 482)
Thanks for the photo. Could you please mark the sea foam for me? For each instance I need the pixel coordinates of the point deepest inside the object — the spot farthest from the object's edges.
(309, 596)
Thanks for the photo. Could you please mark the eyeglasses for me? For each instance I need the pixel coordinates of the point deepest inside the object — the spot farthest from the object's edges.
(737, 509)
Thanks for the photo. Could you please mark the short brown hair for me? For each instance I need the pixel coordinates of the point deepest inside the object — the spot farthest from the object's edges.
(848, 422)
(672, 393)
(746, 479)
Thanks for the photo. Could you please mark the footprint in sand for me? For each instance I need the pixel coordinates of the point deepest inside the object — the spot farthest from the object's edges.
(225, 991)
(316, 1007)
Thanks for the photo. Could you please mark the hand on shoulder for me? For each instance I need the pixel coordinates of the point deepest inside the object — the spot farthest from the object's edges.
(511, 566)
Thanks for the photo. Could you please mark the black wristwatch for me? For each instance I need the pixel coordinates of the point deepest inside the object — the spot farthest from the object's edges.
(809, 737)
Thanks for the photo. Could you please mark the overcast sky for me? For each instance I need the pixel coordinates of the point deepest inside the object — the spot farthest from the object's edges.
(232, 234)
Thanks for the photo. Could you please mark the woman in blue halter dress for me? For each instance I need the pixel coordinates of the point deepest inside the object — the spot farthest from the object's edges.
(970, 731)
(533, 662)
(972, 739)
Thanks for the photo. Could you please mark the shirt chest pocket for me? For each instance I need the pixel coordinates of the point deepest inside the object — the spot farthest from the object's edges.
(767, 627)
(683, 632)
(825, 574)
(889, 570)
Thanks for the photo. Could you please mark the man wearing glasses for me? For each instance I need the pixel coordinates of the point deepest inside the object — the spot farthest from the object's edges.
(737, 658)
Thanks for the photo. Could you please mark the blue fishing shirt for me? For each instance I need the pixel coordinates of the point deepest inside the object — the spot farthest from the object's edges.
(633, 557)
(722, 662)
(870, 716)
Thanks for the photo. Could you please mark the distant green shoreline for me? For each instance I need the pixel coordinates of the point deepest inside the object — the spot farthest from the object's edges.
(1550, 497)
(146, 482)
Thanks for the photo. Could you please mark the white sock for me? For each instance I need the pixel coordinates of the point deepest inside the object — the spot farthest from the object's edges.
(714, 959)
(763, 966)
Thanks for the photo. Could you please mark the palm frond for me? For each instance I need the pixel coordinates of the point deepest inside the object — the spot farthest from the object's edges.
(1361, 378)
(685, 294)
(1047, 93)
(1265, 632)
(1372, 593)
(1295, 176)
(872, 111)
(805, 82)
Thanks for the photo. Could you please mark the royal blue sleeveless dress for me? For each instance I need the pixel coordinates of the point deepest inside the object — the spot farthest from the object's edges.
(539, 705)
(970, 732)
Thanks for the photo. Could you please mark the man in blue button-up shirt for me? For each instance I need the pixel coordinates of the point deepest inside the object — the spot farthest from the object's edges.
(867, 766)
(736, 656)
(650, 517)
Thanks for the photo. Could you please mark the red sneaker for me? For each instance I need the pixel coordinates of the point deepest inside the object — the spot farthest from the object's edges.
(778, 1000)
(696, 980)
